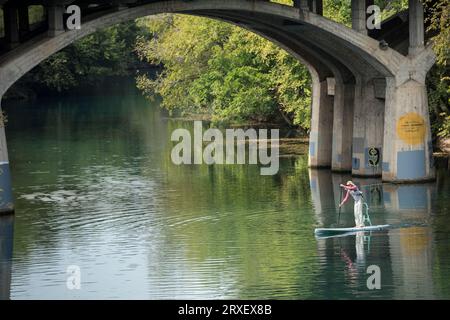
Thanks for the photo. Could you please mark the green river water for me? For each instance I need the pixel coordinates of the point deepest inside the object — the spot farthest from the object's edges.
(95, 187)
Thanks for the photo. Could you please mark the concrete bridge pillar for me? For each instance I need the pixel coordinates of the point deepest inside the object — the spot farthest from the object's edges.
(6, 254)
(343, 106)
(316, 6)
(359, 15)
(24, 20)
(368, 127)
(321, 134)
(416, 26)
(6, 197)
(408, 149)
(11, 26)
(55, 16)
(302, 4)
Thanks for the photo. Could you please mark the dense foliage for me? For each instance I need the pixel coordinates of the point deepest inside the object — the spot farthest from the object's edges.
(438, 81)
(226, 72)
(104, 53)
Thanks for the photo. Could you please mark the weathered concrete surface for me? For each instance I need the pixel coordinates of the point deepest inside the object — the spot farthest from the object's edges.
(407, 138)
(330, 36)
(368, 128)
(359, 16)
(343, 109)
(321, 135)
(6, 197)
(55, 20)
(11, 27)
(416, 27)
(407, 145)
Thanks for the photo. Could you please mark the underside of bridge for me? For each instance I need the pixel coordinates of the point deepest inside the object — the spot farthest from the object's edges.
(369, 106)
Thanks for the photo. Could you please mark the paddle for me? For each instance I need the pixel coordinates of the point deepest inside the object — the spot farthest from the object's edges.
(340, 200)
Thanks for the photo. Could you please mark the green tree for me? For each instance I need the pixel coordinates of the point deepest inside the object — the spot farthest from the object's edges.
(438, 80)
(104, 53)
(229, 73)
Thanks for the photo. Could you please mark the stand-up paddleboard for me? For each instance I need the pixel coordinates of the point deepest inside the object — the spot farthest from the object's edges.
(320, 232)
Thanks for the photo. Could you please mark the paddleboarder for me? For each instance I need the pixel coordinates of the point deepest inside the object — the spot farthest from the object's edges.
(357, 195)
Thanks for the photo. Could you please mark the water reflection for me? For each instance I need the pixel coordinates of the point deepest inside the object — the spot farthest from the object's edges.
(356, 266)
(388, 203)
(6, 251)
(105, 196)
(404, 252)
(322, 194)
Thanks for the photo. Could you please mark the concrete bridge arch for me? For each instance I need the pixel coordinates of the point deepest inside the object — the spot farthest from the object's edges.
(359, 86)
(327, 34)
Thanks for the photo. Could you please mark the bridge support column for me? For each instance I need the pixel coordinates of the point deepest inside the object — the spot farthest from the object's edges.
(24, 20)
(6, 197)
(416, 26)
(302, 4)
(321, 135)
(11, 26)
(359, 15)
(316, 6)
(6, 254)
(368, 127)
(408, 149)
(55, 16)
(342, 126)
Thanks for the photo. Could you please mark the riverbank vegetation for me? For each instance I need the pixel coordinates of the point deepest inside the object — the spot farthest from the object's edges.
(438, 80)
(224, 71)
(108, 52)
(213, 68)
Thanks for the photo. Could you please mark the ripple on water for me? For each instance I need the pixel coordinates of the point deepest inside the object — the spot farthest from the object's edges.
(108, 199)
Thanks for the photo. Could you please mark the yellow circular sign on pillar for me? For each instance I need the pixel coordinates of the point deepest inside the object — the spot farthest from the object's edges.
(411, 128)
